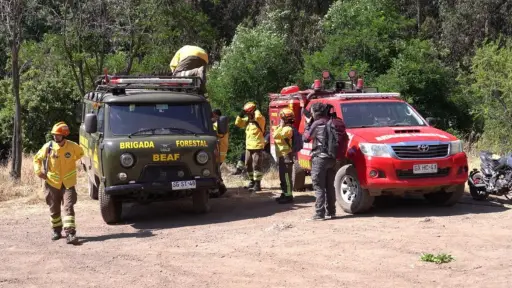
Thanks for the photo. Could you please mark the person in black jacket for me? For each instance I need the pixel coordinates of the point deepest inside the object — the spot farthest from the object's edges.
(322, 165)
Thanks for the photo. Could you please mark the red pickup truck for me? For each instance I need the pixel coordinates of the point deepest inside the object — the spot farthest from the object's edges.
(392, 149)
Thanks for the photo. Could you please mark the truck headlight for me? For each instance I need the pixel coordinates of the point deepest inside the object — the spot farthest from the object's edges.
(456, 147)
(202, 157)
(375, 150)
(127, 160)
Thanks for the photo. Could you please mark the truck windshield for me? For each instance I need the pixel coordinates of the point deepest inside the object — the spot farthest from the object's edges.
(379, 114)
(137, 119)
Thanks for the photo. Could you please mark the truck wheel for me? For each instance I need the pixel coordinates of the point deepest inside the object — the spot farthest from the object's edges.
(201, 201)
(93, 190)
(110, 208)
(350, 196)
(298, 177)
(444, 198)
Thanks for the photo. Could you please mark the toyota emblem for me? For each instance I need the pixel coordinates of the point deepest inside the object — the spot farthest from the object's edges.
(423, 148)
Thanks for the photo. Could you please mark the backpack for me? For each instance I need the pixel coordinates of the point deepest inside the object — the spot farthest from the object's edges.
(331, 143)
(297, 143)
(342, 137)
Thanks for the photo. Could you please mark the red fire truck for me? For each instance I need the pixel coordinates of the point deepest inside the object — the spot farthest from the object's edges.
(392, 149)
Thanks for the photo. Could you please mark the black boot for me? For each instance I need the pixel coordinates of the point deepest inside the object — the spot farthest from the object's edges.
(256, 187)
(251, 185)
(56, 234)
(280, 197)
(71, 237)
(286, 200)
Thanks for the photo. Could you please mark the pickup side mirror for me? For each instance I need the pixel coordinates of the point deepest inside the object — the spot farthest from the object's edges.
(78, 112)
(91, 123)
(432, 121)
(222, 125)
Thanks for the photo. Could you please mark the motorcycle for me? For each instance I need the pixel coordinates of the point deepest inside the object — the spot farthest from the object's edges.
(494, 178)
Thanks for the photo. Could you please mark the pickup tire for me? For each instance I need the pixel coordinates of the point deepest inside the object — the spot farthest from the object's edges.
(201, 201)
(298, 177)
(93, 189)
(350, 196)
(446, 198)
(110, 208)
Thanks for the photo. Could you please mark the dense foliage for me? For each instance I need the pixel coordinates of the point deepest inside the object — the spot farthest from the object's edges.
(450, 59)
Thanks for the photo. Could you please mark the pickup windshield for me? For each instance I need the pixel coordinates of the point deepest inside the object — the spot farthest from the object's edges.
(144, 119)
(379, 114)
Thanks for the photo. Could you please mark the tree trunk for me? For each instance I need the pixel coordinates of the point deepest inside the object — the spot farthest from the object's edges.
(16, 139)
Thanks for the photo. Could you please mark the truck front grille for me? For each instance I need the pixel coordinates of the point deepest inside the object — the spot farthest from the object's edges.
(408, 174)
(421, 151)
(163, 173)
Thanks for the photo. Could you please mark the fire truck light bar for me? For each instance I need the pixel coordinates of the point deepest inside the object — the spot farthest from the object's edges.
(367, 95)
(150, 81)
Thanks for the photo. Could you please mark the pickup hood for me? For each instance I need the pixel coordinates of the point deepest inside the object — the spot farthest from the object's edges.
(390, 135)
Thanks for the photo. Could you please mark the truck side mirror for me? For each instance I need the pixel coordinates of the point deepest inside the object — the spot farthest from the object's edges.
(222, 125)
(78, 112)
(431, 121)
(91, 123)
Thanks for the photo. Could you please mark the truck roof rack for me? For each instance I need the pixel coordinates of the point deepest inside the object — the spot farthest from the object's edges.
(382, 95)
(117, 84)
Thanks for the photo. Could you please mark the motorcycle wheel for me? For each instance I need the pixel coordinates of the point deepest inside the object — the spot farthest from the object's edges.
(477, 194)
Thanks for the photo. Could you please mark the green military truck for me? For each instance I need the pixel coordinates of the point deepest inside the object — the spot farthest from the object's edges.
(148, 139)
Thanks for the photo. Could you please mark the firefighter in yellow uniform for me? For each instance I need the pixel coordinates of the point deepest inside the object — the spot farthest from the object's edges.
(282, 135)
(223, 141)
(190, 61)
(253, 121)
(56, 164)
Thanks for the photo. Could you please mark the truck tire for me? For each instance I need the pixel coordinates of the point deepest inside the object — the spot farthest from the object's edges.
(201, 201)
(350, 196)
(444, 198)
(93, 190)
(298, 177)
(110, 208)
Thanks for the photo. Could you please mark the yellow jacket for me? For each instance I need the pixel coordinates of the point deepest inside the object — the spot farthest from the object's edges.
(61, 164)
(223, 143)
(254, 136)
(185, 52)
(281, 135)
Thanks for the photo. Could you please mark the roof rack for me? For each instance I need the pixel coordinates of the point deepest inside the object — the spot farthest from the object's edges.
(383, 95)
(117, 84)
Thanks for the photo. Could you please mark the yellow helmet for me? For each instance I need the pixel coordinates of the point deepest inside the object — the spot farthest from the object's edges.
(60, 128)
(287, 115)
(250, 107)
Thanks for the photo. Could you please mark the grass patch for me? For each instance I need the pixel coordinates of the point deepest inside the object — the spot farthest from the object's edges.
(438, 259)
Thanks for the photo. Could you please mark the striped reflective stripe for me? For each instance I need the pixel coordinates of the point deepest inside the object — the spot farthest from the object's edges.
(56, 222)
(69, 222)
(257, 175)
(53, 176)
(70, 174)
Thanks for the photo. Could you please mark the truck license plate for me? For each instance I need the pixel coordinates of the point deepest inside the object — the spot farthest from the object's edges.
(183, 185)
(425, 168)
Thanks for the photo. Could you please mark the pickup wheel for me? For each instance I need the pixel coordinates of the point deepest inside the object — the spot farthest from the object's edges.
(93, 190)
(446, 198)
(298, 177)
(201, 201)
(110, 208)
(350, 196)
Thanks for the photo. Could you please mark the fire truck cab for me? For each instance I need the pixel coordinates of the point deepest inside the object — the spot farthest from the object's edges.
(392, 149)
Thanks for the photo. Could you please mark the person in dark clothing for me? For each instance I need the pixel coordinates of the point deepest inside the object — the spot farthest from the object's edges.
(322, 165)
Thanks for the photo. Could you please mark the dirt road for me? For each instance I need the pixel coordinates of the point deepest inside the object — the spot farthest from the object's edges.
(253, 242)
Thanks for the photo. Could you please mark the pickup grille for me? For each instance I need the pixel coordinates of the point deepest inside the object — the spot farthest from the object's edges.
(163, 173)
(408, 174)
(417, 152)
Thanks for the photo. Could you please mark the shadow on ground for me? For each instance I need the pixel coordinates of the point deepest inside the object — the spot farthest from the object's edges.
(419, 207)
(141, 234)
(234, 206)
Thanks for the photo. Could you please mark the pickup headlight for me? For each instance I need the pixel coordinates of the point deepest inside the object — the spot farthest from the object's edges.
(202, 157)
(127, 160)
(375, 150)
(456, 147)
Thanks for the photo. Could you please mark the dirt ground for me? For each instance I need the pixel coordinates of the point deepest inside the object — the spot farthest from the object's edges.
(250, 241)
